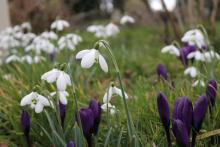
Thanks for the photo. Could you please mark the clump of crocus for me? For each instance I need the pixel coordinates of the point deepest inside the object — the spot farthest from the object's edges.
(211, 91)
(62, 109)
(199, 112)
(162, 72)
(164, 111)
(25, 124)
(90, 118)
(71, 144)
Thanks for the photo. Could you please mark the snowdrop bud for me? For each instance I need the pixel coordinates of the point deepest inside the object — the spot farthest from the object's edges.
(183, 111)
(71, 144)
(162, 72)
(181, 133)
(211, 91)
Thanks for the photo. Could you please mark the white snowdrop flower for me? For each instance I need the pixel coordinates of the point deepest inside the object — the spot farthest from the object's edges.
(62, 79)
(111, 91)
(59, 25)
(13, 58)
(192, 71)
(107, 5)
(210, 55)
(27, 38)
(69, 41)
(38, 59)
(194, 37)
(171, 49)
(156, 5)
(89, 57)
(27, 58)
(49, 35)
(94, 28)
(197, 55)
(36, 101)
(26, 26)
(62, 96)
(198, 83)
(109, 107)
(112, 29)
(127, 19)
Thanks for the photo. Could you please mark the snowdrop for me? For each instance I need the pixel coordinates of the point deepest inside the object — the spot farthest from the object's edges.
(109, 107)
(26, 26)
(171, 49)
(62, 96)
(192, 71)
(36, 101)
(197, 55)
(12, 58)
(62, 79)
(156, 5)
(194, 37)
(69, 41)
(59, 25)
(210, 55)
(198, 83)
(127, 19)
(112, 29)
(89, 57)
(49, 35)
(111, 91)
(107, 5)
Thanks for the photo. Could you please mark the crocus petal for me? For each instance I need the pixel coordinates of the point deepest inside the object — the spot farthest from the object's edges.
(81, 54)
(71, 144)
(103, 63)
(89, 59)
(161, 71)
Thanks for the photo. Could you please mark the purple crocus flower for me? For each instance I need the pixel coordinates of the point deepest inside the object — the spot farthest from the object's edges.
(62, 108)
(199, 112)
(184, 52)
(162, 72)
(164, 111)
(25, 124)
(211, 91)
(97, 110)
(183, 111)
(180, 132)
(71, 144)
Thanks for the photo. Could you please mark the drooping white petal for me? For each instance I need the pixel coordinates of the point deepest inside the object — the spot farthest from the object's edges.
(26, 100)
(50, 76)
(171, 49)
(63, 96)
(62, 81)
(103, 63)
(119, 92)
(192, 71)
(108, 95)
(43, 100)
(39, 107)
(89, 59)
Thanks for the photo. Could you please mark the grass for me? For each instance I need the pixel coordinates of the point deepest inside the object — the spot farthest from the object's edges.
(137, 51)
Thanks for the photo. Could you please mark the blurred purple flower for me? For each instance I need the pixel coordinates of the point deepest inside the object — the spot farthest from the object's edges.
(184, 52)
(25, 124)
(183, 111)
(71, 144)
(162, 72)
(211, 91)
(164, 111)
(62, 108)
(180, 132)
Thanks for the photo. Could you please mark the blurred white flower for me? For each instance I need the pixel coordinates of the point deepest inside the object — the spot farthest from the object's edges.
(171, 49)
(69, 41)
(89, 57)
(111, 91)
(210, 55)
(62, 96)
(127, 19)
(198, 83)
(26, 26)
(194, 37)
(156, 5)
(62, 79)
(107, 6)
(49, 35)
(191, 71)
(59, 25)
(36, 101)
(13, 58)
(112, 29)
(109, 107)
(197, 55)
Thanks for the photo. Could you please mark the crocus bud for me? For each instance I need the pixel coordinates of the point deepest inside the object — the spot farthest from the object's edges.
(71, 144)
(97, 110)
(183, 111)
(25, 124)
(87, 121)
(180, 132)
(211, 91)
(199, 112)
(62, 108)
(164, 111)
(184, 52)
(162, 72)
